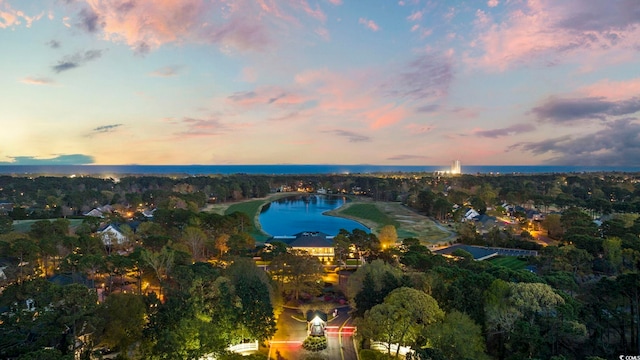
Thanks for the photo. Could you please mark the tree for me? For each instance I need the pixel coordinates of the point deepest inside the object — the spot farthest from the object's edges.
(240, 243)
(6, 224)
(341, 245)
(25, 250)
(552, 224)
(221, 243)
(298, 272)
(161, 262)
(457, 337)
(401, 318)
(388, 236)
(124, 316)
(194, 238)
(255, 294)
(613, 253)
(378, 270)
(368, 296)
(533, 299)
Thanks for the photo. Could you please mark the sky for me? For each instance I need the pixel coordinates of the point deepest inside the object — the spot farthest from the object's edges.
(388, 82)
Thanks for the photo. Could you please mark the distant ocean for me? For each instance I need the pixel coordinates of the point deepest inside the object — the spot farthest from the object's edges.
(194, 170)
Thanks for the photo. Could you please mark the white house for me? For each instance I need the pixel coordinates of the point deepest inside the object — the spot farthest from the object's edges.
(95, 213)
(471, 214)
(111, 234)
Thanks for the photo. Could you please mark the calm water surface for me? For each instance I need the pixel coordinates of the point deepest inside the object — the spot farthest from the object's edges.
(291, 215)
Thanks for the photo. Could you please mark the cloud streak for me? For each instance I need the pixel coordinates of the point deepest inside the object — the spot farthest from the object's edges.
(617, 144)
(105, 128)
(196, 128)
(507, 131)
(350, 135)
(426, 77)
(569, 110)
(31, 80)
(70, 159)
(167, 71)
(404, 157)
(76, 60)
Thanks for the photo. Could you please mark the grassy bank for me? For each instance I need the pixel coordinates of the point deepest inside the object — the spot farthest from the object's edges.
(375, 215)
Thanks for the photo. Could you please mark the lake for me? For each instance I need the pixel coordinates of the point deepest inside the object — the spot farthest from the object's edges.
(291, 215)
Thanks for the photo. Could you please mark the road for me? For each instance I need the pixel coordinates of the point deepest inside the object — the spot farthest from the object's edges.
(286, 344)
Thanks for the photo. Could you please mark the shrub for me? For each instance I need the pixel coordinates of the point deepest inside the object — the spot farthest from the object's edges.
(315, 343)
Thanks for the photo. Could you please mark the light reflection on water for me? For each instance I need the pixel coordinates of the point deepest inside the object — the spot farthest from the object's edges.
(291, 215)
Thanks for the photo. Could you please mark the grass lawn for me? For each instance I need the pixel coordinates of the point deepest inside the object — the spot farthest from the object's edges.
(375, 215)
(370, 212)
(510, 262)
(24, 226)
(251, 208)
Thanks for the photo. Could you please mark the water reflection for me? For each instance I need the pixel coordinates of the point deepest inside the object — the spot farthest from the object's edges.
(294, 214)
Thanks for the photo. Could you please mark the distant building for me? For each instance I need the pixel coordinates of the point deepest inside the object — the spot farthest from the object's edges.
(455, 167)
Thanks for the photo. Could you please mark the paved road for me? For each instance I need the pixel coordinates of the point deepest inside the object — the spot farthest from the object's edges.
(286, 344)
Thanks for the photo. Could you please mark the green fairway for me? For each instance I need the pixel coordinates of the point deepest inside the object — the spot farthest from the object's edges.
(24, 226)
(370, 212)
(509, 262)
(252, 210)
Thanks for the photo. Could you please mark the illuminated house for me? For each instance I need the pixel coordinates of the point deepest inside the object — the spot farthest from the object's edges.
(315, 243)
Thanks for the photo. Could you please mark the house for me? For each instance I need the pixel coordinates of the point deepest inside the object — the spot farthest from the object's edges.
(534, 215)
(315, 243)
(95, 213)
(479, 253)
(5, 208)
(470, 214)
(485, 222)
(148, 213)
(111, 234)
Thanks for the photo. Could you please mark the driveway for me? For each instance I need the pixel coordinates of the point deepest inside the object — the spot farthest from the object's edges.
(286, 344)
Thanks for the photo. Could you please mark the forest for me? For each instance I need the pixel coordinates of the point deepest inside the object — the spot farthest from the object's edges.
(185, 282)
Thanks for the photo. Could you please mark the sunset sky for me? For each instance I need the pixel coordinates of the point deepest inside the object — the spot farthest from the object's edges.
(497, 82)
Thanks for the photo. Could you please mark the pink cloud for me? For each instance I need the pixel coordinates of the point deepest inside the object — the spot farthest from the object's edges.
(555, 31)
(492, 3)
(243, 25)
(612, 90)
(336, 2)
(385, 116)
(323, 33)
(415, 16)
(10, 17)
(369, 24)
(30, 80)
